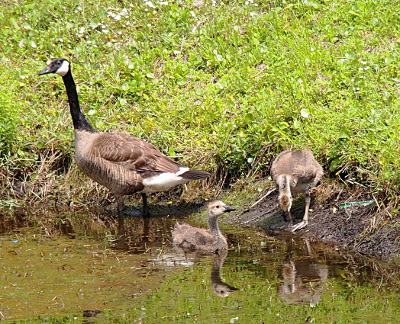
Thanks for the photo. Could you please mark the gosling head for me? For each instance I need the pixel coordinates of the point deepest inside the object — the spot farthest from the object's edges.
(58, 66)
(217, 208)
(285, 201)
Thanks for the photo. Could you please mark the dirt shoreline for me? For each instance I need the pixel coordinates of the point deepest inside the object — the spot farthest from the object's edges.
(371, 230)
(364, 227)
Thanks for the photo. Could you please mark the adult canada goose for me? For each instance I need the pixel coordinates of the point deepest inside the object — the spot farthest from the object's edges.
(295, 172)
(122, 163)
(191, 238)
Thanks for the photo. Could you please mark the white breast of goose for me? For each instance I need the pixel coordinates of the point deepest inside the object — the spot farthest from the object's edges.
(164, 181)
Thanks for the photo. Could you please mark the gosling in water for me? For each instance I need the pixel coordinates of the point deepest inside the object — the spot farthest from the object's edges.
(191, 238)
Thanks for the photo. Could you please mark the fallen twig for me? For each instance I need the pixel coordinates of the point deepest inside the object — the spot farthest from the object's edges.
(262, 198)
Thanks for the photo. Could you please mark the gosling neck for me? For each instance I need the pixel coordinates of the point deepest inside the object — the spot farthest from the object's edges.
(213, 224)
(78, 118)
(220, 242)
(285, 195)
(284, 184)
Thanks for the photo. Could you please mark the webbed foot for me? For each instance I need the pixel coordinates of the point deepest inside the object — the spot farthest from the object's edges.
(298, 226)
(130, 211)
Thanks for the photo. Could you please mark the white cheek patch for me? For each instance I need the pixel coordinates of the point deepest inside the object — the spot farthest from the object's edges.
(63, 69)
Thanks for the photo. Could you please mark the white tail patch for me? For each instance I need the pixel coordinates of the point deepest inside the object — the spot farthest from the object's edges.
(164, 181)
(63, 69)
(182, 171)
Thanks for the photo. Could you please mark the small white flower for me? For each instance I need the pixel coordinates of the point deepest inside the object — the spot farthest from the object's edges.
(149, 3)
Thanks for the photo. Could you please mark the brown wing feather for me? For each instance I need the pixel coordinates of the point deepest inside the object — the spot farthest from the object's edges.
(133, 153)
(300, 164)
(191, 238)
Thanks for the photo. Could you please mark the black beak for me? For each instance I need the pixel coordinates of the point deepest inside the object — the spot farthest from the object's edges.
(46, 70)
(229, 209)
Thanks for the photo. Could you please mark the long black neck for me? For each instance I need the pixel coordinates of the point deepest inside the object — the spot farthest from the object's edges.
(78, 118)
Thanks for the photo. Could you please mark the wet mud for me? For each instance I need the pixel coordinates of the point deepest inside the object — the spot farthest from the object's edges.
(338, 217)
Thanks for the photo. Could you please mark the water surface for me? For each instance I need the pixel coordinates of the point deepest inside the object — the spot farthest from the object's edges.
(85, 267)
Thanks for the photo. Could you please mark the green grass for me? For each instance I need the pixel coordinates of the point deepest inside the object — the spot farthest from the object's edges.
(216, 85)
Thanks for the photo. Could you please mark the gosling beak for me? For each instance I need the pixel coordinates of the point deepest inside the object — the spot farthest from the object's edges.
(229, 209)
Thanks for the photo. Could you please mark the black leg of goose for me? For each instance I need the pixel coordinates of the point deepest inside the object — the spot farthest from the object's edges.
(121, 207)
(145, 206)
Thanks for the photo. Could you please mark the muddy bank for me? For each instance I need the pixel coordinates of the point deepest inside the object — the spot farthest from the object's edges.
(372, 230)
(366, 227)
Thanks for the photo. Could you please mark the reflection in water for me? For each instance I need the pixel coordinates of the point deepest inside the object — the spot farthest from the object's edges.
(123, 237)
(62, 264)
(139, 235)
(220, 288)
(302, 279)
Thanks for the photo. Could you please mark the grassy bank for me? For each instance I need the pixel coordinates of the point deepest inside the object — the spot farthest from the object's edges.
(221, 86)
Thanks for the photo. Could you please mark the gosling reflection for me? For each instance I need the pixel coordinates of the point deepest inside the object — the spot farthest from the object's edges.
(302, 279)
(220, 288)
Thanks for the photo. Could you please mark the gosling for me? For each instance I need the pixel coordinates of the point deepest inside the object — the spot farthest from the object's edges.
(295, 172)
(191, 238)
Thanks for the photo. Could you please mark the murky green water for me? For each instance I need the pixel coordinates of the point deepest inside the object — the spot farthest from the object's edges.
(79, 268)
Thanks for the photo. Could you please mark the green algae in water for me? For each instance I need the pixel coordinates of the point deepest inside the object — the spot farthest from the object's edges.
(84, 275)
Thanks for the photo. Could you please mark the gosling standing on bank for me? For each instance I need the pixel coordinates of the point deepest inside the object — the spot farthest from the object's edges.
(122, 163)
(295, 172)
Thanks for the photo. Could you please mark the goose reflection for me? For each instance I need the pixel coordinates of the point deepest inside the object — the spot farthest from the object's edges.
(139, 235)
(220, 288)
(302, 279)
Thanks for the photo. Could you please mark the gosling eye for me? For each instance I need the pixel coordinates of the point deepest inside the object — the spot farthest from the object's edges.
(217, 206)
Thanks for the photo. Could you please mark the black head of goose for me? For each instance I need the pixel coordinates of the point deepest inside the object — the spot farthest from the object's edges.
(121, 162)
